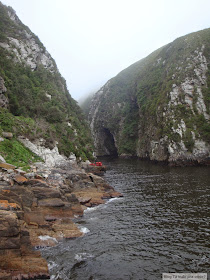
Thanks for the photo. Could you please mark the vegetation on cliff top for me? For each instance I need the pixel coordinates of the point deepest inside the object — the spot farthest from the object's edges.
(134, 104)
(39, 99)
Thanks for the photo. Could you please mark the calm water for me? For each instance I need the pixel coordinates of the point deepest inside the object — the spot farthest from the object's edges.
(160, 225)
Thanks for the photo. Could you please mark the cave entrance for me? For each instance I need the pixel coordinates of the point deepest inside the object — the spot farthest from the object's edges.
(109, 143)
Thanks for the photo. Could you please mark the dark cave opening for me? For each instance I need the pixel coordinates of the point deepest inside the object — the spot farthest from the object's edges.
(109, 143)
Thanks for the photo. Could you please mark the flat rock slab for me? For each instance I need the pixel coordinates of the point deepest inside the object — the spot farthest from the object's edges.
(84, 200)
(116, 194)
(7, 165)
(51, 202)
(67, 230)
(44, 193)
(37, 182)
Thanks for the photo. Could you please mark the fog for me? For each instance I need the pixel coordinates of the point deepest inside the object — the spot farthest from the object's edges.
(93, 40)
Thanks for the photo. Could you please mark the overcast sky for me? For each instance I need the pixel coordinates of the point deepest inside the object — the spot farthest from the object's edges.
(93, 40)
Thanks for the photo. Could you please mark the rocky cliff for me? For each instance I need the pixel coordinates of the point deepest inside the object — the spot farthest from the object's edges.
(34, 99)
(44, 141)
(158, 108)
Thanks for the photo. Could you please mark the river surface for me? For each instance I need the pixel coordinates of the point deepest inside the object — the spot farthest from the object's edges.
(160, 225)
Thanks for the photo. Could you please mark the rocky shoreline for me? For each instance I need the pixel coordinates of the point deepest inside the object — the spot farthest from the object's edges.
(37, 208)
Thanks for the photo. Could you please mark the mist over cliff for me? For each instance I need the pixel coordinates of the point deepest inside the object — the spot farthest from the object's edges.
(158, 108)
(34, 99)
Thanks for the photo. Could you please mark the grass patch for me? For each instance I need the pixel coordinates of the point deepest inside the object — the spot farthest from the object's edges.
(17, 154)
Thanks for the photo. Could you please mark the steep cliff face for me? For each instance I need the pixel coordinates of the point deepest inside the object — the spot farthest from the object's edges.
(158, 108)
(35, 94)
(25, 46)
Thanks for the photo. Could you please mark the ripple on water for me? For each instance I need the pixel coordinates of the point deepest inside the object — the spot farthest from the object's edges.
(160, 225)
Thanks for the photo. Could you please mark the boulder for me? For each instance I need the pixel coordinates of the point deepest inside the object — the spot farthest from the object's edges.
(94, 195)
(2, 159)
(115, 194)
(44, 193)
(4, 102)
(10, 196)
(20, 171)
(10, 242)
(71, 198)
(7, 135)
(20, 179)
(9, 225)
(51, 202)
(34, 217)
(4, 275)
(97, 180)
(23, 195)
(2, 86)
(84, 199)
(67, 229)
(7, 166)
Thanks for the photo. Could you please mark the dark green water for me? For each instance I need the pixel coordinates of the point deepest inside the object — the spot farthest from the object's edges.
(160, 225)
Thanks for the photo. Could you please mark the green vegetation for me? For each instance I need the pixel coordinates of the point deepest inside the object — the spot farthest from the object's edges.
(188, 140)
(135, 104)
(15, 153)
(18, 125)
(39, 102)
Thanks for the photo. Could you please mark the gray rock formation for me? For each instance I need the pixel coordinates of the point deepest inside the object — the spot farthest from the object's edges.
(158, 108)
(26, 48)
(3, 99)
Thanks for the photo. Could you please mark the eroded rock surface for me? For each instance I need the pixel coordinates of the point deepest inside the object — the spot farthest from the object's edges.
(37, 211)
(4, 102)
(158, 107)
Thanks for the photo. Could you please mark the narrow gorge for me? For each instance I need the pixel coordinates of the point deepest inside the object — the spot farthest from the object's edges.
(158, 108)
(64, 214)
(45, 147)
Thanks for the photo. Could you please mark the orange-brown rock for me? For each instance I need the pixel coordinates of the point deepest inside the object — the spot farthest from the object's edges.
(34, 217)
(92, 193)
(8, 224)
(38, 177)
(41, 237)
(37, 182)
(115, 194)
(51, 202)
(16, 255)
(50, 236)
(36, 212)
(66, 229)
(5, 205)
(26, 267)
(20, 179)
(84, 199)
(7, 165)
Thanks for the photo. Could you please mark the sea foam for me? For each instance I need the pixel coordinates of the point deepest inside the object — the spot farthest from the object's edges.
(47, 237)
